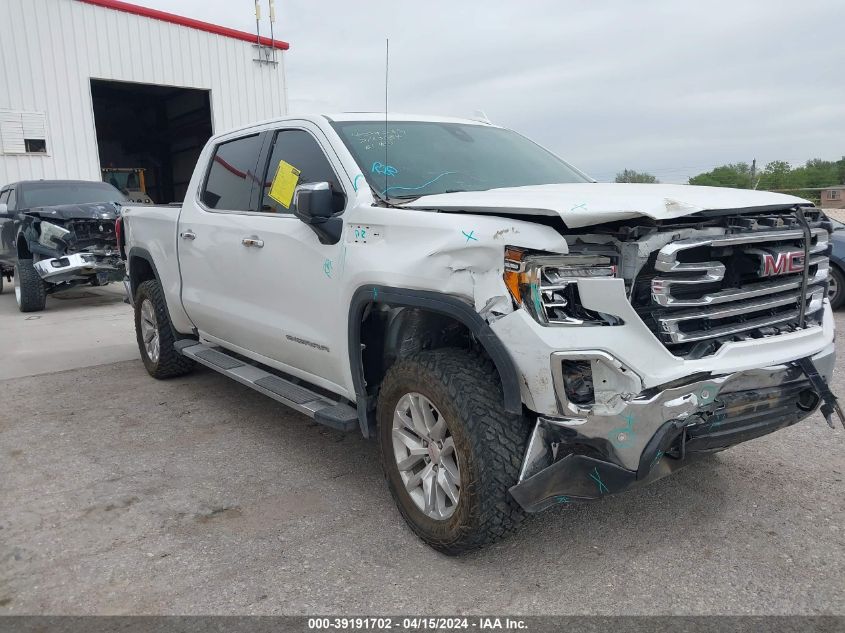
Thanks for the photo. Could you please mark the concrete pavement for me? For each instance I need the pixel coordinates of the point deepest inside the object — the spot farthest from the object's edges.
(80, 327)
(121, 494)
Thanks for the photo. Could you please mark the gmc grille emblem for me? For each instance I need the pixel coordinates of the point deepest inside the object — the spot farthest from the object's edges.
(782, 263)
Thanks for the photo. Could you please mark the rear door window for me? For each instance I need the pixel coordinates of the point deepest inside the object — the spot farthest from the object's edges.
(231, 175)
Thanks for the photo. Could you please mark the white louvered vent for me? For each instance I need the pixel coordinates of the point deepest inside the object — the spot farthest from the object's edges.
(23, 132)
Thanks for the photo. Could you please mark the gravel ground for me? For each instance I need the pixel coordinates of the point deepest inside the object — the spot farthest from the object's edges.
(120, 494)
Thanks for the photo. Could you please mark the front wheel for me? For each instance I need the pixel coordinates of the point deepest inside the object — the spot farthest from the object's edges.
(156, 335)
(449, 450)
(30, 289)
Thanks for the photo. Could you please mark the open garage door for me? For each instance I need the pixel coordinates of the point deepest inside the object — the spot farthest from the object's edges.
(158, 129)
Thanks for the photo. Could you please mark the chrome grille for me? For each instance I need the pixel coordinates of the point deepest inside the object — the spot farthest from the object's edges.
(700, 292)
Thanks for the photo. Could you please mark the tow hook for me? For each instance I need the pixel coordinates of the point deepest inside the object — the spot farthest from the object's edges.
(829, 402)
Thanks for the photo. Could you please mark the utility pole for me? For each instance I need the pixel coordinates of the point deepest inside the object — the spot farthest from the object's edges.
(753, 173)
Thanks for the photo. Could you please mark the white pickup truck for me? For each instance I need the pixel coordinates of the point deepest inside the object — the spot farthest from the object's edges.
(515, 334)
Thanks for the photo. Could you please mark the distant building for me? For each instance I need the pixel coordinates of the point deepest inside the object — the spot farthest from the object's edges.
(92, 85)
(833, 197)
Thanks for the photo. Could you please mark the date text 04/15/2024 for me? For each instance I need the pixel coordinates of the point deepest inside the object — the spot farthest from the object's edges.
(417, 623)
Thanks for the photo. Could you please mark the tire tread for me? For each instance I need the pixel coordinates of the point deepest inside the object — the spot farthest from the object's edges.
(32, 288)
(497, 438)
(170, 363)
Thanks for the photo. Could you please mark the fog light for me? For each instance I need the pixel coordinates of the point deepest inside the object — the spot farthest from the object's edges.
(578, 381)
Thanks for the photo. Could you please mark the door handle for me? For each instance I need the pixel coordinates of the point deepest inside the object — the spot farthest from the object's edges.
(252, 241)
(188, 235)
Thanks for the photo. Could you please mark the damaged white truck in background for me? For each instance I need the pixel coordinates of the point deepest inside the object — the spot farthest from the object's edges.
(514, 334)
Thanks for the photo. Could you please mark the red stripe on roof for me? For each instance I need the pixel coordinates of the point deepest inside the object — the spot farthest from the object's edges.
(155, 14)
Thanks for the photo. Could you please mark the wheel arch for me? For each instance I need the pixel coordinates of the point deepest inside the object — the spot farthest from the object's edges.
(141, 268)
(22, 246)
(431, 302)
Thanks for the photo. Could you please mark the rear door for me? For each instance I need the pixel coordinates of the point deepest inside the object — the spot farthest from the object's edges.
(210, 230)
(268, 287)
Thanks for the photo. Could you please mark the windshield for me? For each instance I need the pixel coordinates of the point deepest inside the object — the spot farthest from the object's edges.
(417, 158)
(48, 194)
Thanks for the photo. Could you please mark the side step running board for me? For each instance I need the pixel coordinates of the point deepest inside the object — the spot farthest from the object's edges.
(324, 410)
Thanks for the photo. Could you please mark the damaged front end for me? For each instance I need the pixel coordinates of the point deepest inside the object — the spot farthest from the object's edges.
(647, 436)
(670, 340)
(74, 244)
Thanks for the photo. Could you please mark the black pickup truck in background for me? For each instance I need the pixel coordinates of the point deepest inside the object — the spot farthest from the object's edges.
(56, 234)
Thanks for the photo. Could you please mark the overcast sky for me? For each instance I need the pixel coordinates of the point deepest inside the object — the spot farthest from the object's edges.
(673, 88)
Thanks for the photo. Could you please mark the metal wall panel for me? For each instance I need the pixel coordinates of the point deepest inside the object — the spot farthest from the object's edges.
(51, 49)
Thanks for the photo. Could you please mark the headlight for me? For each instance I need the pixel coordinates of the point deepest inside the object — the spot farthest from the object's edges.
(51, 234)
(547, 286)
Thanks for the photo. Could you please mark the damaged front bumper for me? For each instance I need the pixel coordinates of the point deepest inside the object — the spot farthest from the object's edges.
(657, 431)
(80, 267)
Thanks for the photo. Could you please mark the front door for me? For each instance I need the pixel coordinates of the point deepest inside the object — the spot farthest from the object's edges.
(258, 279)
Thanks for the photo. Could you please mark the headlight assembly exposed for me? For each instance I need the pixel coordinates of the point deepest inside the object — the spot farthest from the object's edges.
(51, 234)
(547, 286)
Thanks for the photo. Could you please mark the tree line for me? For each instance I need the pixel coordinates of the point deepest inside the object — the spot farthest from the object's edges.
(777, 175)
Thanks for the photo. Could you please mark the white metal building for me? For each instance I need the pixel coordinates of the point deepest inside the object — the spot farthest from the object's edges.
(93, 84)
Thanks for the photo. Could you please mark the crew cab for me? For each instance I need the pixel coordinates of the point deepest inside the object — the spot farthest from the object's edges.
(56, 234)
(514, 334)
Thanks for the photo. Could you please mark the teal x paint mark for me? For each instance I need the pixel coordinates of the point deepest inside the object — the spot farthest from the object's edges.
(355, 182)
(327, 268)
(595, 476)
(562, 499)
(622, 436)
(469, 236)
(583, 205)
(375, 294)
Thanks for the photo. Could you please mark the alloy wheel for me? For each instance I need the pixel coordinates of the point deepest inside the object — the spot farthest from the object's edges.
(149, 330)
(424, 450)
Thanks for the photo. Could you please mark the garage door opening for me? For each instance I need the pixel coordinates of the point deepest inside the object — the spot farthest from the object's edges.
(150, 134)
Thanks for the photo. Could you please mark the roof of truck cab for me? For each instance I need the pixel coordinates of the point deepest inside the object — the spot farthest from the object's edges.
(342, 117)
(396, 116)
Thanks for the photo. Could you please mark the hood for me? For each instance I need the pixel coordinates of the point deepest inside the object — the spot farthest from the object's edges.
(85, 211)
(586, 204)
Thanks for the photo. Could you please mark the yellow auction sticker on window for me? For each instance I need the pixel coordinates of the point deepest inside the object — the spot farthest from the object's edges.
(284, 183)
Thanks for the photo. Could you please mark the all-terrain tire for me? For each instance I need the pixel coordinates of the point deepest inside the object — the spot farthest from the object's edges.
(489, 446)
(169, 362)
(30, 289)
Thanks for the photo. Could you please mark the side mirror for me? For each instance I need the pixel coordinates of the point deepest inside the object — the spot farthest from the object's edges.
(312, 203)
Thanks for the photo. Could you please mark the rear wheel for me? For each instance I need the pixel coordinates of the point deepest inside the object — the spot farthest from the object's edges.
(30, 289)
(836, 287)
(449, 450)
(155, 334)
